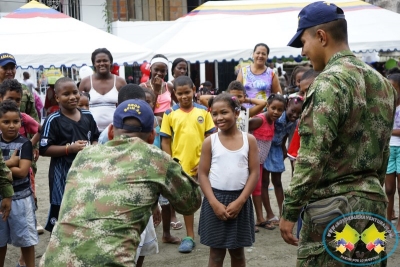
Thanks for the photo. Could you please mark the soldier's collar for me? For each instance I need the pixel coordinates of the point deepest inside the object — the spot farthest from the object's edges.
(343, 53)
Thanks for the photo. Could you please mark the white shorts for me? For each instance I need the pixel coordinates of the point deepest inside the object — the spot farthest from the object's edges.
(148, 241)
(20, 228)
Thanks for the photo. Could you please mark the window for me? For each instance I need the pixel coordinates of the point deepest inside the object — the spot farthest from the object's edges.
(70, 7)
(74, 9)
(55, 4)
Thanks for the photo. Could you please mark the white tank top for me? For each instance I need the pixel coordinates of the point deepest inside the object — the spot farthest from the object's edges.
(102, 107)
(229, 169)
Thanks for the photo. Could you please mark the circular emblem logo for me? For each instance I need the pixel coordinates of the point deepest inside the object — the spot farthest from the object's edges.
(360, 239)
(53, 221)
(200, 119)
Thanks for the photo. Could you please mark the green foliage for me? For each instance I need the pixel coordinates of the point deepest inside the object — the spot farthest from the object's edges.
(107, 17)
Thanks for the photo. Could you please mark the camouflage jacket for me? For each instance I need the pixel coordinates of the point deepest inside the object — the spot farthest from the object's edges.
(108, 200)
(6, 187)
(28, 103)
(345, 128)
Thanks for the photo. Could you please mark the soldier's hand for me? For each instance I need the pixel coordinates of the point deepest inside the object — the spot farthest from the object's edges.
(286, 228)
(5, 208)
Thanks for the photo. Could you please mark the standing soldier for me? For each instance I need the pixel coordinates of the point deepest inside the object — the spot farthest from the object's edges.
(344, 132)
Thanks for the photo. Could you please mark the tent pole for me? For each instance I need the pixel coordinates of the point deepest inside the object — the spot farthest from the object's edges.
(216, 74)
(118, 10)
(202, 72)
(170, 74)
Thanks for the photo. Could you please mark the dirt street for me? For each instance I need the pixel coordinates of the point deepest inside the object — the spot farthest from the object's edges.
(268, 250)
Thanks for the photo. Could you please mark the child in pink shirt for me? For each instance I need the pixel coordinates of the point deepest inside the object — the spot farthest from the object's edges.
(262, 127)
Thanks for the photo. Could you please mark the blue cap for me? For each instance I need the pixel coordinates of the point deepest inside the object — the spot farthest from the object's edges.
(138, 109)
(6, 58)
(314, 14)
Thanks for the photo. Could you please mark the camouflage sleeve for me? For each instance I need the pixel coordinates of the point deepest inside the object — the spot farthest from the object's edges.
(385, 159)
(318, 128)
(181, 190)
(6, 188)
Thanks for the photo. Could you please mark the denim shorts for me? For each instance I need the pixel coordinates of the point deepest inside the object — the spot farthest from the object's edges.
(20, 228)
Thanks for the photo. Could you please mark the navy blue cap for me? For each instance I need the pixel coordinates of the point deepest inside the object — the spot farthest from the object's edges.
(315, 14)
(138, 109)
(6, 58)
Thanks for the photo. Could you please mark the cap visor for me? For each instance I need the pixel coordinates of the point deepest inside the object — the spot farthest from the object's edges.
(296, 42)
(7, 61)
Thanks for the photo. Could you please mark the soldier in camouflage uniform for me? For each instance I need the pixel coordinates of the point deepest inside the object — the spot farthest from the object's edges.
(111, 190)
(344, 132)
(6, 189)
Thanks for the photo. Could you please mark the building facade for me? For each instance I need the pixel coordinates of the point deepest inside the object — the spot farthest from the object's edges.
(150, 10)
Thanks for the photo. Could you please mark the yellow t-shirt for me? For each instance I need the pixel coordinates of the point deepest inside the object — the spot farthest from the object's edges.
(188, 130)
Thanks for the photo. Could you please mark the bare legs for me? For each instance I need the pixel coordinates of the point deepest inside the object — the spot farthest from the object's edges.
(28, 254)
(217, 256)
(276, 181)
(3, 251)
(189, 223)
(166, 222)
(390, 188)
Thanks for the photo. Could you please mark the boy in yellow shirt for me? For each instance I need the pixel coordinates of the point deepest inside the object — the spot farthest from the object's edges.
(183, 131)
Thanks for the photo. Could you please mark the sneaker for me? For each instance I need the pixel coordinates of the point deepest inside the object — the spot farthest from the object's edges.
(187, 245)
(39, 229)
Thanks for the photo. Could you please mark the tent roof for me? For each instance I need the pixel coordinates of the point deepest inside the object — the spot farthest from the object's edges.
(41, 36)
(226, 30)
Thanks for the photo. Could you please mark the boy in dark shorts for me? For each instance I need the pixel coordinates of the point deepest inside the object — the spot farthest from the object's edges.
(64, 134)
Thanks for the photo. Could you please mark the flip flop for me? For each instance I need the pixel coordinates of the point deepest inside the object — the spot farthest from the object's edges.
(176, 225)
(266, 225)
(256, 230)
(274, 221)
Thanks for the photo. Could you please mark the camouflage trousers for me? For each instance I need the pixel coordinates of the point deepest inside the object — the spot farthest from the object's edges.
(311, 251)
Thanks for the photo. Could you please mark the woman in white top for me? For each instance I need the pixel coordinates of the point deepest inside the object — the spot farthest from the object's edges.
(103, 87)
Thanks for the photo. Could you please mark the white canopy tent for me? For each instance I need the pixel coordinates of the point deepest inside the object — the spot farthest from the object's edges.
(226, 30)
(40, 36)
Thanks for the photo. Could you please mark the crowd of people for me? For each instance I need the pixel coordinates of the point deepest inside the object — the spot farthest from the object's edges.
(127, 157)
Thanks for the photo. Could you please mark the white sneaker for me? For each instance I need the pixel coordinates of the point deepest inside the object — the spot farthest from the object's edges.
(39, 229)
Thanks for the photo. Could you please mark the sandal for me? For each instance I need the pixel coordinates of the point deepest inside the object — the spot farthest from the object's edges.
(274, 221)
(176, 225)
(266, 225)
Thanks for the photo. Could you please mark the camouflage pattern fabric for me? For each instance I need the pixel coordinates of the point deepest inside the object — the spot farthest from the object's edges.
(345, 128)
(109, 195)
(28, 103)
(6, 187)
(311, 251)
(28, 107)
